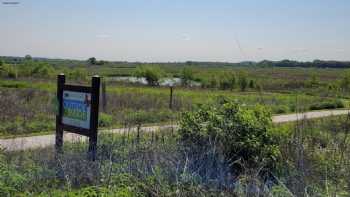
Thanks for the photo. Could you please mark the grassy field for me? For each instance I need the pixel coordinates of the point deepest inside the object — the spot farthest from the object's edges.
(314, 160)
(32, 106)
(226, 144)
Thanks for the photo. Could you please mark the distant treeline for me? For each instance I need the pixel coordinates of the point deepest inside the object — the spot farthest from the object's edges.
(264, 63)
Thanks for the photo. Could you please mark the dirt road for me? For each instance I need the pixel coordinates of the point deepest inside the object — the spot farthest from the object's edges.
(24, 143)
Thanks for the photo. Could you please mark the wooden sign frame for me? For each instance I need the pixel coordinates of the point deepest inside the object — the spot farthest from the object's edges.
(90, 132)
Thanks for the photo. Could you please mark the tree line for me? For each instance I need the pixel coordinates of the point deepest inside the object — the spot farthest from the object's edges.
(264, 63)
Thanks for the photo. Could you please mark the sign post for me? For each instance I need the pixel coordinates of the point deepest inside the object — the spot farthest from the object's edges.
(78, 112)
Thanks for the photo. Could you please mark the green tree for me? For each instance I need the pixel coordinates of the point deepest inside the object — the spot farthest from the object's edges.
(239, 132)
(251, 84)
(186, 76)
(28, 58)
(243, 81)
(92, 60)
(152, 74)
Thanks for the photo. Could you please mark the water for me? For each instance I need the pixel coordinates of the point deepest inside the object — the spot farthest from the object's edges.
(169, 81)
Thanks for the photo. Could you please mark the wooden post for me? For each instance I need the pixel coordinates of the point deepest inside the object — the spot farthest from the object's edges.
(61, 79)
(95, 96)
(104, 96)
(171, 98)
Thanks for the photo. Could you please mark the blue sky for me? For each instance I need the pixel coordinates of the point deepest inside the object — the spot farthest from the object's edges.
(177, 30)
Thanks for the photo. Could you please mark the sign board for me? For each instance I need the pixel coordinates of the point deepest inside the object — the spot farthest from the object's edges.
(77, 111)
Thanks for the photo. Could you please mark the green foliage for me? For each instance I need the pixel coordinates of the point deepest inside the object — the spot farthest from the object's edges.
(9, 71)
(10, 180)
(152, 74)
(186, 76)
(345, 82)
(228, 81)
(314, 81)
(77, 74)
(251, 84)
(105, 120)
(331, 104)
(242, 133)
(28, 57)
(243, 81)
(92, 60)
(43, 70)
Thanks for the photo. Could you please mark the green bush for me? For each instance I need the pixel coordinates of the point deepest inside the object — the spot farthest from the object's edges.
(78, 74)
(105, 120)
(243, 81)
(186, 76)
(152, 74)
(43, 70)
(9, 71)
(241, 133)
(227, 81)
(332, 104)
(280, 109)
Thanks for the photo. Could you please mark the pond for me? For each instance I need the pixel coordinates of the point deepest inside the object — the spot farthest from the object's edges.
(169, 81)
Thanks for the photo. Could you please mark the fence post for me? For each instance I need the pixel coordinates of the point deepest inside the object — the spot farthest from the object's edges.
(95, 97)
(61, 79)
(171, 98)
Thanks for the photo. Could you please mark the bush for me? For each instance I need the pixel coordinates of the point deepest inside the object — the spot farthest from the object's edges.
(152, 74)
(78, 74)
(332, 104)
(241, 133)
(8, 71)
(186, 76)
(43, 70)
(243, 81)
(105, 120)
(280, 109)
(227, 81)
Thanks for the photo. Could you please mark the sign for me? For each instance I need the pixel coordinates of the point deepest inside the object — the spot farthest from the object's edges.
(76, 109)
(77, 112)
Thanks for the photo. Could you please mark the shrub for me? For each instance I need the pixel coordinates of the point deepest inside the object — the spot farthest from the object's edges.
(243, 81)
(228, 81)
(9, 71)
(186, 76)
(152, 74)
(43, 70)
(332, 104)
(105, 120)
(78, 74)
(280, 109)
(241, 133)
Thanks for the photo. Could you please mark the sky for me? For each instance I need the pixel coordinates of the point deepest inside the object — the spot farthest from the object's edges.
(177, 30)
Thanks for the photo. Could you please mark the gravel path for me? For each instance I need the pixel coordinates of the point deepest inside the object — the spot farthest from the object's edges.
(24, 143)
